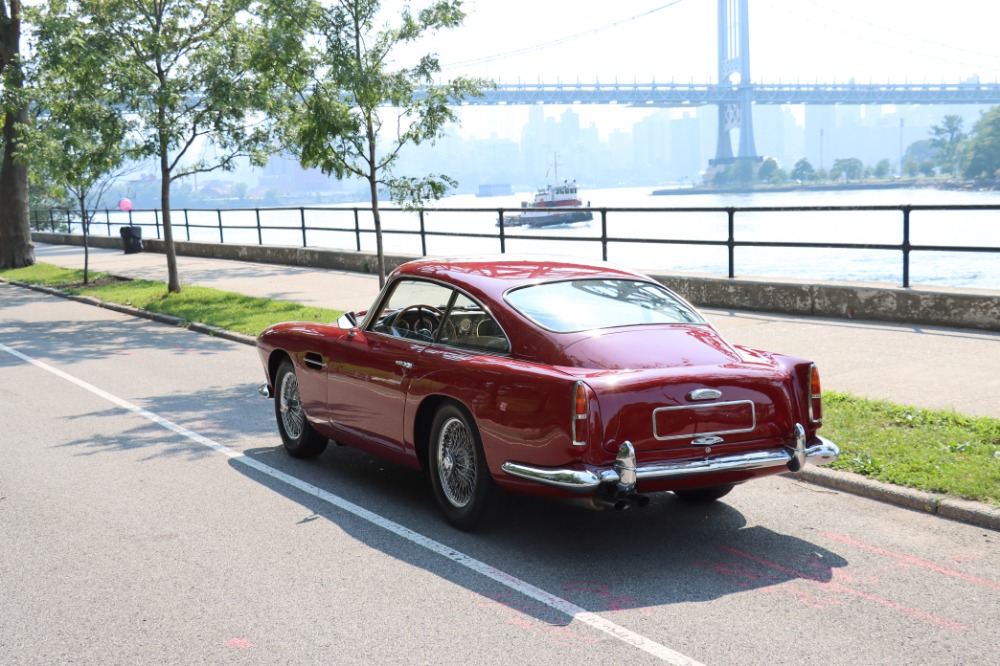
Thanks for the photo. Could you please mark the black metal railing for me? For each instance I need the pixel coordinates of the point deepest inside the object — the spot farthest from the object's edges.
(59, 219)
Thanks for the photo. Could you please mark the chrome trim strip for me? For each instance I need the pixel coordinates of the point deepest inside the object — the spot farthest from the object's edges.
(580, 481)
(753, 412)
(586, 481)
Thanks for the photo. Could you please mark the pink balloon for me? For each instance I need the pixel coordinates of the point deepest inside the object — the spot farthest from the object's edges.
(125, 205)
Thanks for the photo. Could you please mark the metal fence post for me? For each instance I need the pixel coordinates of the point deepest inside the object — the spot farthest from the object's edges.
(187, 225)
(357, 230)
(423, 236)
(302, 217)
(69, 223)
(260, 236)
(906, 247)
(731, 243)
(219, 215)
(604, 234)
(503, 235)
(107, 218)
(156, 220)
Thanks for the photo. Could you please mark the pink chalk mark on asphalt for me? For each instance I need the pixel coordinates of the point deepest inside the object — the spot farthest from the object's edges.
(832, 586)
(240, 643)
(909, 559)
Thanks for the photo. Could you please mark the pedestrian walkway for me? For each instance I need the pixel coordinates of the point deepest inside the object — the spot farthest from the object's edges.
(933, 367)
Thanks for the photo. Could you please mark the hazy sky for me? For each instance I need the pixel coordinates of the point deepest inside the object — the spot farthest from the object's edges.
(675, 40)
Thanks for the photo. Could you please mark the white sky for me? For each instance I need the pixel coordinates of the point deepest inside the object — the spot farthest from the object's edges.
(804, 41)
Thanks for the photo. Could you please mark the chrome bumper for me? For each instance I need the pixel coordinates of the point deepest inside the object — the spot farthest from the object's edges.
(626, 473)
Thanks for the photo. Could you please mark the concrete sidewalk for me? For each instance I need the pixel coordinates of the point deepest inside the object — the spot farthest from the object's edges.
(933, 367)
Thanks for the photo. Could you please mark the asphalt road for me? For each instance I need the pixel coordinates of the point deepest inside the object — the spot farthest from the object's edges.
(149, 515)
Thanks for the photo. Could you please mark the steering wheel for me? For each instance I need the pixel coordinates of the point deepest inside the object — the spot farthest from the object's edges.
(422, 319)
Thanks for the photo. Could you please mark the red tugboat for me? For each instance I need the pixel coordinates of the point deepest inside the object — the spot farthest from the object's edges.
(556, 205)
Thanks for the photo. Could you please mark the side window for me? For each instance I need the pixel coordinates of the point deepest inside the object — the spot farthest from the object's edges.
(415, 309)
(470, 326)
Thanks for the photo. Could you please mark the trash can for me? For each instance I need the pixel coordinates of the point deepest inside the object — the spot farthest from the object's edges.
(131, 239)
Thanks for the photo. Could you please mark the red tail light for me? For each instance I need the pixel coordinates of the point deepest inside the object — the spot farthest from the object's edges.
(580, 421)
(815, 396)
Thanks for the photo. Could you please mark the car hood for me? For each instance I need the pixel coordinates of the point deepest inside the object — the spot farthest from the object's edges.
(651, 347)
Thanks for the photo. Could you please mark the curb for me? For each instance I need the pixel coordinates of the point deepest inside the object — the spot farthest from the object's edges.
(169, 320)
(963, 511)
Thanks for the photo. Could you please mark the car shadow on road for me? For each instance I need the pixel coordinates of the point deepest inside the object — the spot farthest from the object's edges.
(667, 553)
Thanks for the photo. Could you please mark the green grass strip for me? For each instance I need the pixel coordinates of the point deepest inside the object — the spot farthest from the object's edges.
(934, 450)
(235, 312)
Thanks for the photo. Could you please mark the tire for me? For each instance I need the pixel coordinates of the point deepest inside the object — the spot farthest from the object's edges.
(299, 438)
(703, 494)
(459, 475)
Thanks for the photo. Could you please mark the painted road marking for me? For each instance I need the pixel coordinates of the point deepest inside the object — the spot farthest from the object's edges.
(834, 586)
(909, 559)
(574, 612)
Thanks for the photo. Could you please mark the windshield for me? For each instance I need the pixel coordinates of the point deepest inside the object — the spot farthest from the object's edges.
(581, 305)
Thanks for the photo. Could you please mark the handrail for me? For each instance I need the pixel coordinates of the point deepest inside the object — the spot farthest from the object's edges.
(53, 218)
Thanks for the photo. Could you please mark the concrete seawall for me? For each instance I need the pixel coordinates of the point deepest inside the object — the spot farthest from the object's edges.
(965, 308)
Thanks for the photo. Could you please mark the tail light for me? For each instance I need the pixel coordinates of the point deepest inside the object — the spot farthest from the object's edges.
(580, 419)
(815, 396)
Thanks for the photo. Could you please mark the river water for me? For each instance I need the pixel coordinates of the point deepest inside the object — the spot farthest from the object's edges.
(953, 269)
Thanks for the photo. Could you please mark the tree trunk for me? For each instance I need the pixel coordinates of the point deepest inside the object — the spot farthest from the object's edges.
(16, 248)
(377, 218)
(173, 280)
(86, 238)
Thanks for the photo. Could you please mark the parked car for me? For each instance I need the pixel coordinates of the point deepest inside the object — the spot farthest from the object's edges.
(543, 376)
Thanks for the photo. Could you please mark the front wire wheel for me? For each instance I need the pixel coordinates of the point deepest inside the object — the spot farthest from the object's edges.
(299, 438)
(459, 475)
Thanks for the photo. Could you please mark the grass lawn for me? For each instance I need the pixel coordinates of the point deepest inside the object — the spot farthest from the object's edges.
(933, 450)
(939, 451)
(225, 309)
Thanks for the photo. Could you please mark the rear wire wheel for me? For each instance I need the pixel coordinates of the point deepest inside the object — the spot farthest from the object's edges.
(459, 475)
(299, 438)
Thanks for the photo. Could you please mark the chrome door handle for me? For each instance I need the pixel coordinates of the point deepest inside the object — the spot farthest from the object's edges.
(406, 365)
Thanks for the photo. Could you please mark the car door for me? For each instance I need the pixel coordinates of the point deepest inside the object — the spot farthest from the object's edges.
(368, 385)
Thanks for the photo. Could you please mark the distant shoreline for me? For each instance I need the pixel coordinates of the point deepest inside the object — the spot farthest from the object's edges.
(961, 185)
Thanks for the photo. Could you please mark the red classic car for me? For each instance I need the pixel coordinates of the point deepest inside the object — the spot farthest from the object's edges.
(544, 376)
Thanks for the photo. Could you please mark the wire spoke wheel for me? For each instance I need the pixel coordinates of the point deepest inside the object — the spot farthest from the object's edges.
(290, 406)
(297, 434)
(456, 460)
(459, 475)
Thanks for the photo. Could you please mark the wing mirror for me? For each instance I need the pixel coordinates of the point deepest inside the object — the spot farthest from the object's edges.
(348, 320)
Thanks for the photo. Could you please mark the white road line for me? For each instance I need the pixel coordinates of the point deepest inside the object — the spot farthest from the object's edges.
(575, 613)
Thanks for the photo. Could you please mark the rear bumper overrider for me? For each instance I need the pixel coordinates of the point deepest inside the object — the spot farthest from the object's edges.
(626, 473)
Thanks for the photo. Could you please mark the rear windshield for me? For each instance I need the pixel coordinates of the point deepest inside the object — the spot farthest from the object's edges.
(582, 305)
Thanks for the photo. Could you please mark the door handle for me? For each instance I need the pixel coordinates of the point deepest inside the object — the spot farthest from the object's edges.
(406, 365)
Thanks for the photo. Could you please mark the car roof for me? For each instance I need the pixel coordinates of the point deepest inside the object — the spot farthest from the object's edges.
(495, 274)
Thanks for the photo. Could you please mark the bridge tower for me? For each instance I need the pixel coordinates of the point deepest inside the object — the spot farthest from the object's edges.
(734, 58)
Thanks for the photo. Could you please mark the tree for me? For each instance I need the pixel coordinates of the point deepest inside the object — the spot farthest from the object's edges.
(360, 109)
(768, 168)
(850, 167)
(883, 168)
(79, 139)
(982, 154)
(947, 138)
(16, 248)
(803, 171)
(193, 74)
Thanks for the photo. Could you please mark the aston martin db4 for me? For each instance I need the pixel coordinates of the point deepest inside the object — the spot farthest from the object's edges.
(543, 376)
